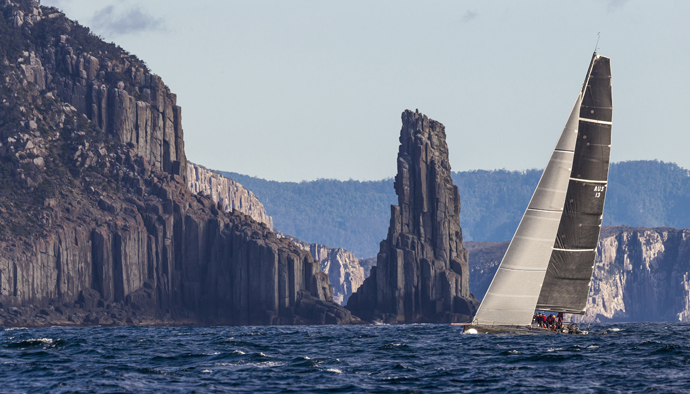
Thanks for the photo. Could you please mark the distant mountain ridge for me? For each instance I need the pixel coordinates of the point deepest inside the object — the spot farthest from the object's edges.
(354, 214)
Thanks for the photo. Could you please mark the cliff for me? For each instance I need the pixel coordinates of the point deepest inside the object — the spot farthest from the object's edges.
(232, 195)
(640, 274)
(97, 225)
(344, 270)
(421, 273)
(114, 90)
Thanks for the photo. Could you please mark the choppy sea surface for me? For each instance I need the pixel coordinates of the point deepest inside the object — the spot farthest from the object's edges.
(630, 357)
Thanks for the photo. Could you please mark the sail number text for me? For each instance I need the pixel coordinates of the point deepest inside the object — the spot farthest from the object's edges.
(598, 190)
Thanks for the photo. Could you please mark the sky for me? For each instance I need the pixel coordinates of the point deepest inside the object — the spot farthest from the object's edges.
(301, 90)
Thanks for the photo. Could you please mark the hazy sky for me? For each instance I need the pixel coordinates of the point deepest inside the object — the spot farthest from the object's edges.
(299, 90)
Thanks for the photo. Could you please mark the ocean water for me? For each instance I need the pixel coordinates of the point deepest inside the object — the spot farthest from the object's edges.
(634, 357)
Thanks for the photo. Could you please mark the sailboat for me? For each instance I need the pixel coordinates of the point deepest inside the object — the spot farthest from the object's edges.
(549, 263)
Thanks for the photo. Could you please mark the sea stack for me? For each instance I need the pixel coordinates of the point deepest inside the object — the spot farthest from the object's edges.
(421, 274)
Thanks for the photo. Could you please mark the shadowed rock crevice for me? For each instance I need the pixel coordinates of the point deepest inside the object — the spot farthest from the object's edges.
(421, 273)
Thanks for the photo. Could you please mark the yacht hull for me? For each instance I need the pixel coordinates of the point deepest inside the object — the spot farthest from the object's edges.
(571, 329)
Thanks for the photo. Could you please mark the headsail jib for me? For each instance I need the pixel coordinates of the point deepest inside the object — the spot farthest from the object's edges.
(550, 258)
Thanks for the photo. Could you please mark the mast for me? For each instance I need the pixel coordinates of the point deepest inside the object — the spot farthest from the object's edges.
(517, 286)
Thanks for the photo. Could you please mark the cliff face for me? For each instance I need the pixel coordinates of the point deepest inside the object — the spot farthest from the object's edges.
(640, 274)
(421, 272)
(232, 195)
(97, 225)
(115, 91)
(344, 269)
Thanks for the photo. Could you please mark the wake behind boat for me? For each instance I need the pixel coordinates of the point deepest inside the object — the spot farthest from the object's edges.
(549, 263)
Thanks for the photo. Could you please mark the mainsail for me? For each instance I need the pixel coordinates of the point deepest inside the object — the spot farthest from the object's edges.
(549, 262)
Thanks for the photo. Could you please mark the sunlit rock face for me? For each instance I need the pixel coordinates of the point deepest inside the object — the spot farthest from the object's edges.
(232, 195)
(421, 273)
(640, 274)
(344, 270)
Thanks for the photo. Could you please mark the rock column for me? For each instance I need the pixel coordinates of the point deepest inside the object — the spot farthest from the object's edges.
(421, 273)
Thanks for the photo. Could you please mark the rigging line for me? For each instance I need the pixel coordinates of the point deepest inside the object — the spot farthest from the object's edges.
(597, 44)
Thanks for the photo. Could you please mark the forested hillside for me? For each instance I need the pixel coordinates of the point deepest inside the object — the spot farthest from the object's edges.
(648, 194)
(354, 215)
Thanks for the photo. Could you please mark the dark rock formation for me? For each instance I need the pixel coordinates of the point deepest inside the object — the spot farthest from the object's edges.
(97, 225)
(344, 271)
(343, 268)
(421, 273)
(232, 195)
(640, 274)
(117, 93)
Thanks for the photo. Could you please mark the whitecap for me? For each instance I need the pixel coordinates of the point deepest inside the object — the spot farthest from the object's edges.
(238, 352)
(513, 352)
(334, 370)
(614, 329)
(206, 371)
(266, 364)
(551, 349)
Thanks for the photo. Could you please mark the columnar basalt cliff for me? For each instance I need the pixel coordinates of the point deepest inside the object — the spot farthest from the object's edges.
(97, 225)
(115, 91)
(640, 274)
(232, 195)
(421, 273)
(344, 270)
